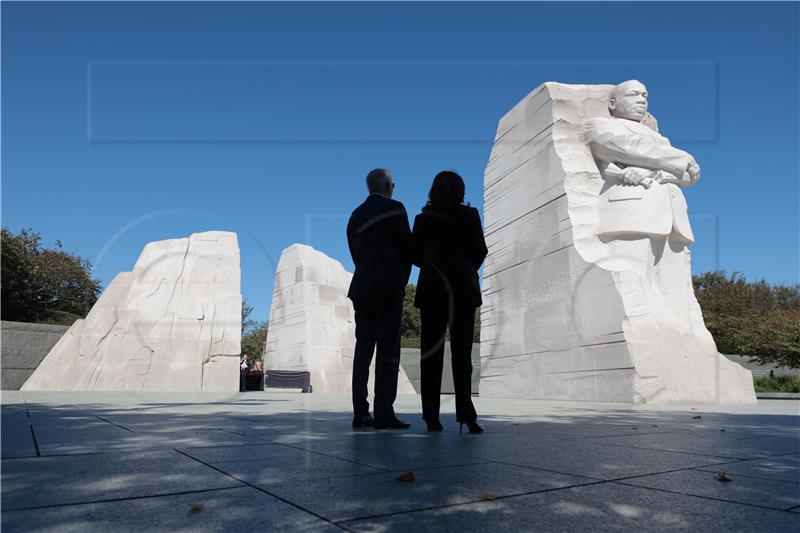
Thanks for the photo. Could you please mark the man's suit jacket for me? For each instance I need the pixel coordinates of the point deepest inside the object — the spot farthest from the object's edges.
(634, 209)
(448, 246)
(378, 236)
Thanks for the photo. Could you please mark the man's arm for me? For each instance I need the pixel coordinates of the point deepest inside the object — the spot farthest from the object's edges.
(612, 142)
(404, 241)
(352, 239)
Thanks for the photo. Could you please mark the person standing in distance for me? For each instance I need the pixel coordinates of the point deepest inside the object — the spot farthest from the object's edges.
(378, 236)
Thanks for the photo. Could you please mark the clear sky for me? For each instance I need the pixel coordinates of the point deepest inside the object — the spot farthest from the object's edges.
(124, 123)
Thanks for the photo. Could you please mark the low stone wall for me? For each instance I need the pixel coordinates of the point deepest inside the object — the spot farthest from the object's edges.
(24, 345)
(410, 361)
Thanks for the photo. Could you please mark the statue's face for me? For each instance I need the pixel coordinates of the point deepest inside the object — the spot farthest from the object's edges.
(630, 101)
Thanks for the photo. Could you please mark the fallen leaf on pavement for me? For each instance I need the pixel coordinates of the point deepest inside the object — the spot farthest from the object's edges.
(405, 478)
(196, 506)
(722, 477)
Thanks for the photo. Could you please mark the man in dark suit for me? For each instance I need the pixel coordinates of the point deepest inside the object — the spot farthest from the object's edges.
(378, 235)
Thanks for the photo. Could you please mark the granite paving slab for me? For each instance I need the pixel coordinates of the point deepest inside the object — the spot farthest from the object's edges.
(236, 509)
(275, 464)
(45, 481)
(54, 440)
(581, 457)
(16, 439)
(361, 496)
(392, 451)
(775, 494)
(605, 507)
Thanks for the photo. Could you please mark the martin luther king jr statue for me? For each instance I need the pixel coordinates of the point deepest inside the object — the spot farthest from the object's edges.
(587, 288)
(644, 173)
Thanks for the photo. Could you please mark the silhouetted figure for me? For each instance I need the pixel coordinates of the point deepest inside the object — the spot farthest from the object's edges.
(448, 247)
(378, 237)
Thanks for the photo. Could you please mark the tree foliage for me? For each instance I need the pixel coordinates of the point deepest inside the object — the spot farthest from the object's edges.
(44, 284)
(254, 333)
(411, 323)
(751, 318)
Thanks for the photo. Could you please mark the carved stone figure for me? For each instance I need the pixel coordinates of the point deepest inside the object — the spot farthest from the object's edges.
(643, 172)
(587, 288)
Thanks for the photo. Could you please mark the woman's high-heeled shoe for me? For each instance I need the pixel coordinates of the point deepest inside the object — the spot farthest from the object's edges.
(434, 425)
(473, 427)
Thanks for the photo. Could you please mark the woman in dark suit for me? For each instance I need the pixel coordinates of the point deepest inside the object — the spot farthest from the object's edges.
(448, 246)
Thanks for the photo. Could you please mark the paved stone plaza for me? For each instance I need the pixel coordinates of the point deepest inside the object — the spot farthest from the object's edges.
(288, 461)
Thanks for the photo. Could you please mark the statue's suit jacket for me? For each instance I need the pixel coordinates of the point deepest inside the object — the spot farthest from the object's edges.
(634, 209)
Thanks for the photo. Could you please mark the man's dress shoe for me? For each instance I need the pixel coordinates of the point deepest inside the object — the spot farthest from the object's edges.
(365, 421)
(392, 423)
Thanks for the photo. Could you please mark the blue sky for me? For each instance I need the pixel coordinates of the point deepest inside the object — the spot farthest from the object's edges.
(124, 123)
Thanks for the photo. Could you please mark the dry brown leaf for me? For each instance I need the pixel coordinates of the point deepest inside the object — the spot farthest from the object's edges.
(485, 496)
(723, 478)
(196, 506)
(405, 478)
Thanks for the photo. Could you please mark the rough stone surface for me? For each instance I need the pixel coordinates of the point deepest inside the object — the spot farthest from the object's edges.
(23, 348)
(312, 324)
(570, 315)
(173, 324)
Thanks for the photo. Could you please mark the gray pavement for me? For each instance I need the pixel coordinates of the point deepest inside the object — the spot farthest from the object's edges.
(284, 461)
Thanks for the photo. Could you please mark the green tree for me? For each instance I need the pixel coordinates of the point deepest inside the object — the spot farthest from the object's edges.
(44, 284)
(255, 340)
(411, 323)
(751, 318)
(254, 333)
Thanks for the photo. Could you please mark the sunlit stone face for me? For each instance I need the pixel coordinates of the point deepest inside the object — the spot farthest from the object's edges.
(629, 101)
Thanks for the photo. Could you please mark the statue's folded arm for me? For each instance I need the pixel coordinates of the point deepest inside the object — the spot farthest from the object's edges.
(610, 141)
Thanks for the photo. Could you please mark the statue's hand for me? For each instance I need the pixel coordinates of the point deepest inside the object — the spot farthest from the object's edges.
(693, 169)
(635, 175)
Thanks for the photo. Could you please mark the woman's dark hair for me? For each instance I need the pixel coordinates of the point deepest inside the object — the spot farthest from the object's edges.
(447, 190)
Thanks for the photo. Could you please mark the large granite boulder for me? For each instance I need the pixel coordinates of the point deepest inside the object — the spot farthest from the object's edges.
(575, 306)
(311, 323)
(173, 324)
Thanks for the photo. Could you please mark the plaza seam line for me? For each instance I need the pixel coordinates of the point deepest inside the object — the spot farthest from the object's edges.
(750, 476)
(112, 500)
(735, 458)
(326, 455)
(114, 423)
(33, 434)
(257, 488)
(703, 497)
(609, 480)
(553, 490)
(471, 502)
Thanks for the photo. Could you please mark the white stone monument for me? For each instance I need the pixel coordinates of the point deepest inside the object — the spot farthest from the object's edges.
(312, 324)
(587, 288)
(173, 324)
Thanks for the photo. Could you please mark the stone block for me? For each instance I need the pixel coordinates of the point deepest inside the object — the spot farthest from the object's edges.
(312, 322)
(172, 324)
(572, 311)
